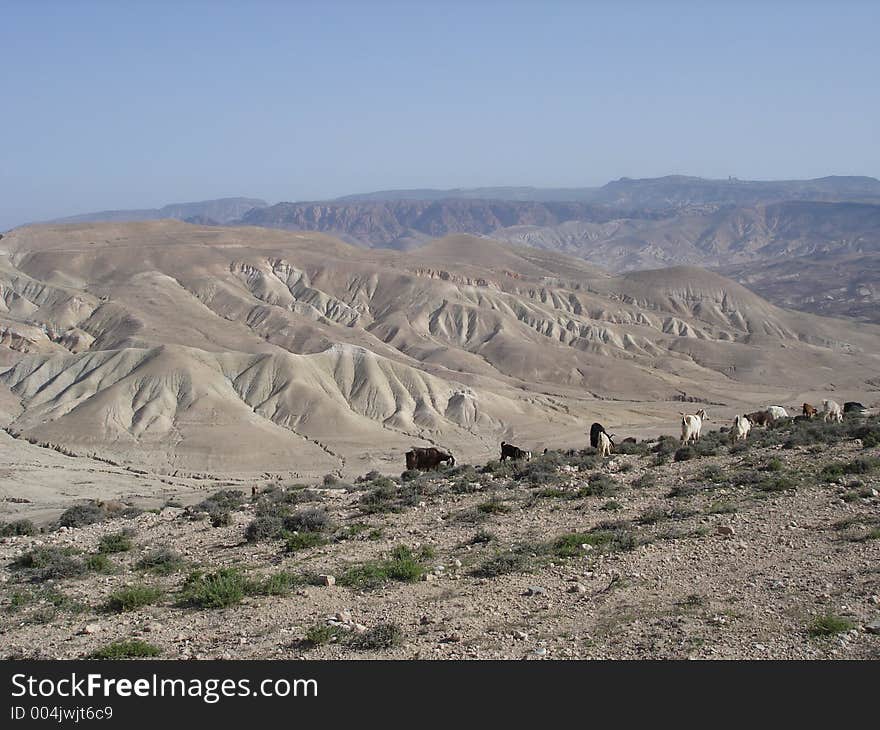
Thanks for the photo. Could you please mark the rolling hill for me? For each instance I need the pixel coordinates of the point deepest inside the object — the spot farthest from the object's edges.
(186, 348)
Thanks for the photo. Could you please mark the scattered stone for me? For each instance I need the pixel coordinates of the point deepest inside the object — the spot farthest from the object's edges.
(578, 588)
(536, 591)
(520, 635)
(873, 627)
(91, 629)
(327, 580)
(725, 530)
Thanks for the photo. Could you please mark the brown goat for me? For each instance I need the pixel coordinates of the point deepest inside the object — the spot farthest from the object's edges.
(808, 410)
(760, 418)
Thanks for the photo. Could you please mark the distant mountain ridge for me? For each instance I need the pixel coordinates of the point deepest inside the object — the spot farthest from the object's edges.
(660, 192)
(221, 210)
(822, 234)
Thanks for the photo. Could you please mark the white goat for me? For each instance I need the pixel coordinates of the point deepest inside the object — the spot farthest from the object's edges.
(691, 425)
(831, 411)
(741, 428)
(777, 412)
(604, 445)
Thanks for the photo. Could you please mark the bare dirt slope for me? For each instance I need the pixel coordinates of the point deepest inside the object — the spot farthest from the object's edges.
(192, 351)
(767, 549)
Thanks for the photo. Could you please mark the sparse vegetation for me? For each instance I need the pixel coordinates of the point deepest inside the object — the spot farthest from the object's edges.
(117, 542)
(381, 636)
(17, 527)
(82, 514)
(303, 540)
(829, 624)
(222, 588)
(44, 563)
(161, 561)
(130, 598)
(400, 566)
(130, 649)
(308, 520)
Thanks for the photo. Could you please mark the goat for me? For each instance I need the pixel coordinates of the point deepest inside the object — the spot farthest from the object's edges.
(831, 411)
(741, 428)
(427, 458)
(509, 451)
(691, 425)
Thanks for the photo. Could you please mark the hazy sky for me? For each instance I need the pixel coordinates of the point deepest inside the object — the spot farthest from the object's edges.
(136, 104)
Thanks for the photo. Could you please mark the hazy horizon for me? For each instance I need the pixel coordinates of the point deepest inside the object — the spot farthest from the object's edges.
(137, 107)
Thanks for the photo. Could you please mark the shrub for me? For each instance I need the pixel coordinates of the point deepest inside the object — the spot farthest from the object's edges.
(829, 624)
(131, 598)
(17, 527)
(277, 584)
(721, 508)
(323, 634)
(118, 542)
(639, 449)
(646, 481)
(99, 563)
(162, 561)
(50, 562)
(220, 589)
(380, 498)
(131, 649)
(406, 476)
(510, 562)
(682, 490)
(225, 500)
(303, 540)
(493, 507)
(220, 519)
(401, 566)
(685, 453)
(599, 485)
(382, 636)
(307, 520)
(264, 527)
(652, 515)
(775, 484)
(82, 514)
(482, 537)
(666, 445)
(611, 506)
(607, 537)
(858, 466)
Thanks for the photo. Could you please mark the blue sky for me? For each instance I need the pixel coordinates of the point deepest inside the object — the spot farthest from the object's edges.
(136, 104)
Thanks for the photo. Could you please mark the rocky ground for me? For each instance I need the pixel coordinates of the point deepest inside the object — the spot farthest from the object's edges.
(769, 550)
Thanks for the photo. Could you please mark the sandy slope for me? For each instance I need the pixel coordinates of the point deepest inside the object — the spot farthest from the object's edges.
(234, 352)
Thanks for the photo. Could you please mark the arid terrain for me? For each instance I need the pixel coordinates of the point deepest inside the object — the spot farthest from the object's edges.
(156, 374)
(162, 356)
(763, 549)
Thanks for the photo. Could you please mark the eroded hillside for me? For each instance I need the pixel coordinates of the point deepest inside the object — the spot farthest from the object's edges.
(183, 348)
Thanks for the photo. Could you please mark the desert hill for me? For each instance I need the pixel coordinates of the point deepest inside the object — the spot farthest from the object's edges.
(186, 348)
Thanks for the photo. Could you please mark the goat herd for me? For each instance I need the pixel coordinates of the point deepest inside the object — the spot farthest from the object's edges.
(422, 459)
